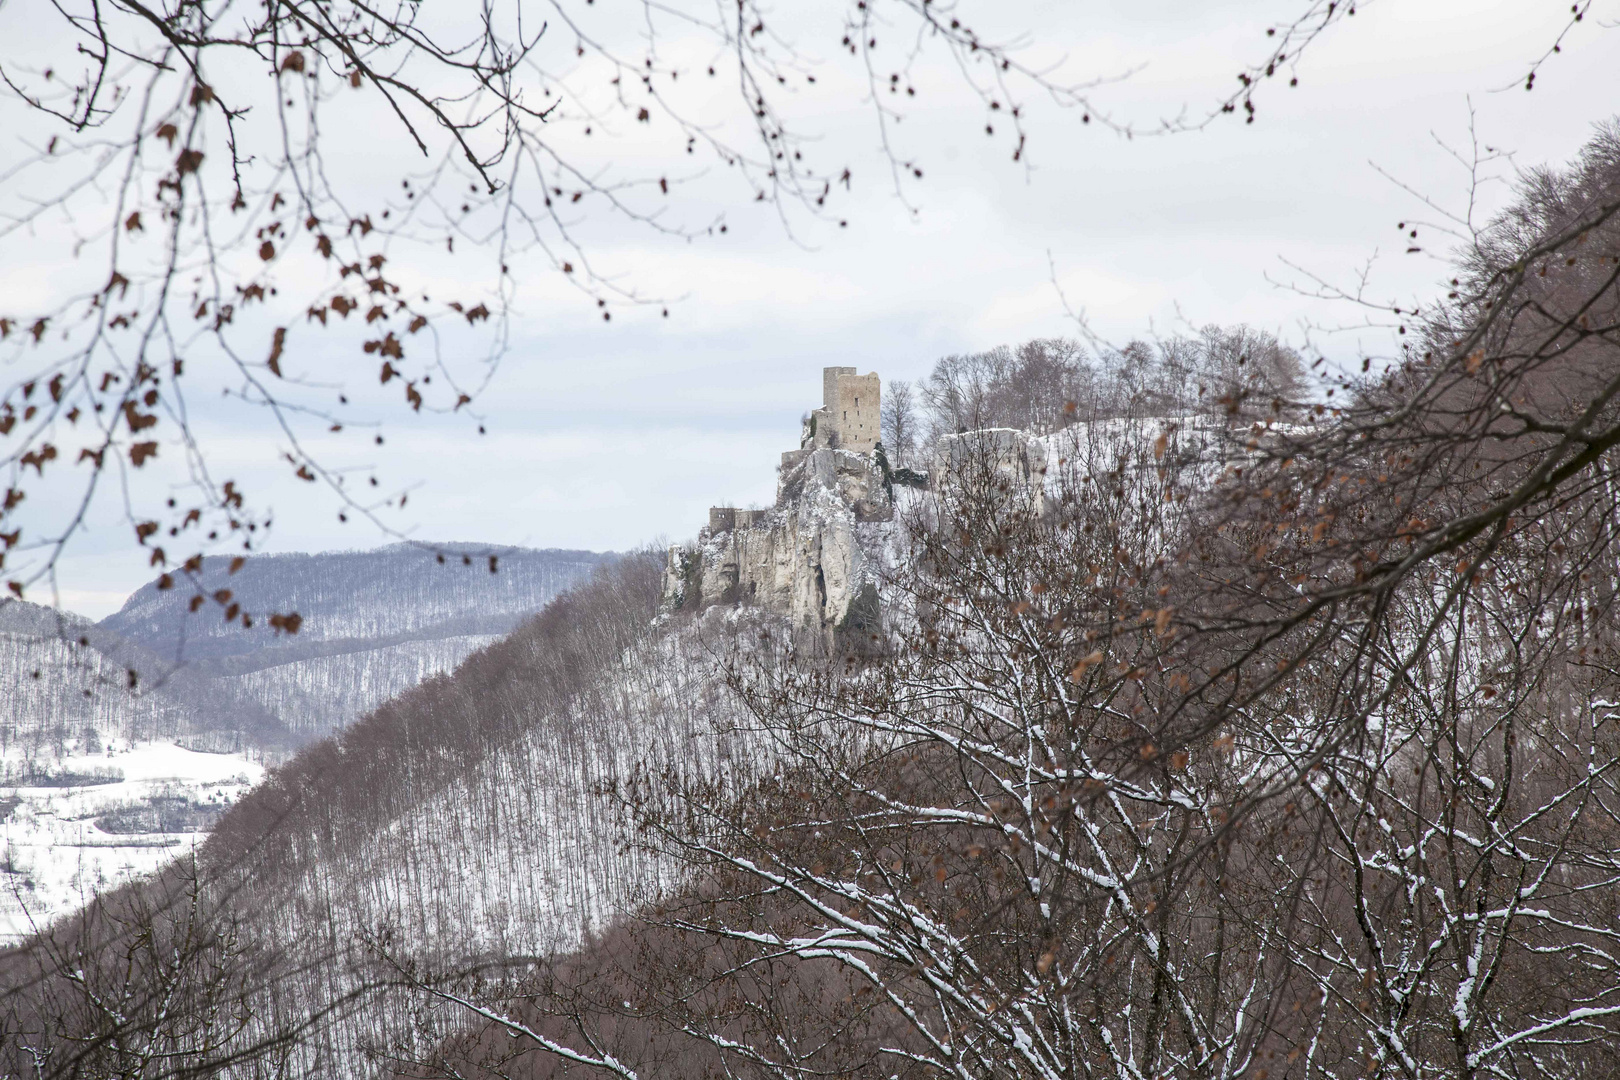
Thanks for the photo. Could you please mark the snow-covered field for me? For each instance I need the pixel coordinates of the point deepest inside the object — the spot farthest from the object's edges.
(56, 849)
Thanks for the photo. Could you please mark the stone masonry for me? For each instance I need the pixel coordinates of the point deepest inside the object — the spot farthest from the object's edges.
(814, 556)
(848, 419)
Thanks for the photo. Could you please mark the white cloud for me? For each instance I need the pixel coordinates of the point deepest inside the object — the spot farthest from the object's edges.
(607, 434)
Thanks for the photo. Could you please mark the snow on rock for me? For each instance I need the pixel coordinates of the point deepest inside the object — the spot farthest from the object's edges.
(816, 557)
(806, 558)
(1007, 455)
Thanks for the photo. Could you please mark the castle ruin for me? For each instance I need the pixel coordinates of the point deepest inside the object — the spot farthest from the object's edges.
(850, 413)
(808, 556)
(815, 557)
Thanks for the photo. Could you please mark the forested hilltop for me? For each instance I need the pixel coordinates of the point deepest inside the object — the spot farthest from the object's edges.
(371, 623)
(395, 593)
(1212, 725)
(123, 742)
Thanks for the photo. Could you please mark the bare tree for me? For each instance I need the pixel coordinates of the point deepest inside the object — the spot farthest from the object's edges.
(1287, 747)
(1047, 384)
(153, 982)
(899, 422)
(1240, 369)
(1283, 746)
(1041, 385)
(192, 155)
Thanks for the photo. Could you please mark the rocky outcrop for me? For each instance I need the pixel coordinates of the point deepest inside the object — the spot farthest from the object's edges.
(814, 556)
(854, 477)
(808, 558)
(1008, 458)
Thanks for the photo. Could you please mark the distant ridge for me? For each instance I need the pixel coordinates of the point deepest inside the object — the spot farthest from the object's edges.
(398, 593)
(375, 623)
(64, 675)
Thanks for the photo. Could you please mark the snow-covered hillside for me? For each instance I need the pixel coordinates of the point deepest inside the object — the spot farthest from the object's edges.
(374, 623)
(120, 743)
(63, 678)
(468, 816)
(397, 592)
(317, 695)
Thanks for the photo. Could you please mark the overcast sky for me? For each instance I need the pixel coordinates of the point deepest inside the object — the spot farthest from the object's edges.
(610, 435)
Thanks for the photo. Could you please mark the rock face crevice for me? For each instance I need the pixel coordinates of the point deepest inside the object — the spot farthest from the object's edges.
(805, 558)
(808, 557)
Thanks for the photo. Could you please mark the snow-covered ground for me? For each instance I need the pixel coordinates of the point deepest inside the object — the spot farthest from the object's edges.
(54, 852)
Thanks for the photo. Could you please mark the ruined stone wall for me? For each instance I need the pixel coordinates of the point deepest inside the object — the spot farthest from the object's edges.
(854, 406)
(722, 518)
(814, 556)
(807, 558)
(829, 383)
(849, 417)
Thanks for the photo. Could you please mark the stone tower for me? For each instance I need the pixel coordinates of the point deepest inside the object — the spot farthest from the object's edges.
(804, 557)
(849, 415)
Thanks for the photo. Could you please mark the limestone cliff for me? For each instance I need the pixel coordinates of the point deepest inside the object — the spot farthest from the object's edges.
(812, 557)
(1006, 458)
(815, 556)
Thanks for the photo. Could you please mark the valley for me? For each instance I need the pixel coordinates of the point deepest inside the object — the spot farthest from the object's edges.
(94, 819)
(123, 742)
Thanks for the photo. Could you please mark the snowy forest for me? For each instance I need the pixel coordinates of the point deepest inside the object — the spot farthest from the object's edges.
(1260, 731)
(1199, 702)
